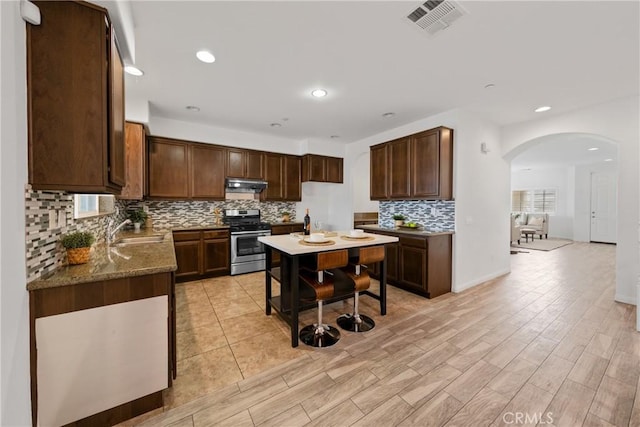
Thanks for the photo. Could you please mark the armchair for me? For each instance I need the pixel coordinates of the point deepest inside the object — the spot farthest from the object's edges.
(539, 223)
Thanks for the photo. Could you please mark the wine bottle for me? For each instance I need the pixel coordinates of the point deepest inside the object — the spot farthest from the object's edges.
(307, 223)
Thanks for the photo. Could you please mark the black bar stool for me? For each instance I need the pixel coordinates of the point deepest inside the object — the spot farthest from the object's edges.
(357, 272)
(317, 286)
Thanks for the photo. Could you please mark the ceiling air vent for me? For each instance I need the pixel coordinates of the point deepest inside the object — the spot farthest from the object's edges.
(435, 15)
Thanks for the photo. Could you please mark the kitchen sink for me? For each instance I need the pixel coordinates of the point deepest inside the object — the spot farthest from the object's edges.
(126, 241)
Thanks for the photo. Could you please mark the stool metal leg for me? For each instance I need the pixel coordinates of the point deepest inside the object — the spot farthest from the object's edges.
(356, 322)
(319, 335)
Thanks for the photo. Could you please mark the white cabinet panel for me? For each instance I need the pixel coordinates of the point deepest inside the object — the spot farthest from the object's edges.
(93, 360)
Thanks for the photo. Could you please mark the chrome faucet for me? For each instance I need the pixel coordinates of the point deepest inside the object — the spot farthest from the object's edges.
(111, 233)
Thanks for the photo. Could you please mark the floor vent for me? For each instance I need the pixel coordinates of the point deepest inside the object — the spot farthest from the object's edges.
(435, 15)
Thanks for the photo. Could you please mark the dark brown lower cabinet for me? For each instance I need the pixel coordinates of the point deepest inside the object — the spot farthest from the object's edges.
(188, 258)
(216, 255)
(278, 229)
(202, 253)
(421, 265)
(413, 262)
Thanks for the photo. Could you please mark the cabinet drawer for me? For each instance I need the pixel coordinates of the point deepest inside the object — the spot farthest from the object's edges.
(181, 236)
(416, 242)
(215, 234)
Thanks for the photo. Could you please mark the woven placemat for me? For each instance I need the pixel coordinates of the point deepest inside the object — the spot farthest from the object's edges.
(306, 243)
(358, 239)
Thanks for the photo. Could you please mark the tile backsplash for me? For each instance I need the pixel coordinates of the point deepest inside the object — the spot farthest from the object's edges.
(431, 214)
(169, 214)
(49, 215)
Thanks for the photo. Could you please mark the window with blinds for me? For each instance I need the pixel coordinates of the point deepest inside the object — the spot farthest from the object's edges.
(534, 201)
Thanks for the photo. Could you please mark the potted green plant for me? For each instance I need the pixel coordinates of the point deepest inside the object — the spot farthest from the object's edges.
(137, 217)
(285, 216)
(78, 244)
(399, 219)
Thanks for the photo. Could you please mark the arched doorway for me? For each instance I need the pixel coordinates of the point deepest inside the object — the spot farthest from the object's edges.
(580, 172)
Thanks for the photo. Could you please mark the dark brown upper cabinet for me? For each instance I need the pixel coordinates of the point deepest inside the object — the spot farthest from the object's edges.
(206, 171)
(418, 166)
(319, 168)
(75, 87)
(273, 172)
(185, 170)
(292, 183)
(379, 184)
(168, 168)
(282, 173)
(432, 164)
(135, 155)
(399, 161)
(245, 163)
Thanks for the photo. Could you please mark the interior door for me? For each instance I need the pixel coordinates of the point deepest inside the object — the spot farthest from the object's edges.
(604, 190)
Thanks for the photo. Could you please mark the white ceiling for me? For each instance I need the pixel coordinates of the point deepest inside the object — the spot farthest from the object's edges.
(270, 55)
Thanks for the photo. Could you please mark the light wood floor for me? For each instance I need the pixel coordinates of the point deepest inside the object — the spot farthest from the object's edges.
(545, 344)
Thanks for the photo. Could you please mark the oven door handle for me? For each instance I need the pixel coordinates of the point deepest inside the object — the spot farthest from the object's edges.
(257, 233)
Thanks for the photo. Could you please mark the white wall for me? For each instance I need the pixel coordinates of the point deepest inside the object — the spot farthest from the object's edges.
(136, 110)
(159, 126)
(481, 189)
(14, 362)
(619, 121)
(559, 178)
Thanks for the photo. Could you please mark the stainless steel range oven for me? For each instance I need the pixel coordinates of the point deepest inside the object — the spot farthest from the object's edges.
(247, 254)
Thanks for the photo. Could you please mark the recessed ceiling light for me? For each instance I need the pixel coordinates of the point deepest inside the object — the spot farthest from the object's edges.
(205, 56)
(593, 149)
(319, 93)
(389, 114)
(542, 109)
(130, 69)
(275, 125)
(608, 160)
(192, 108)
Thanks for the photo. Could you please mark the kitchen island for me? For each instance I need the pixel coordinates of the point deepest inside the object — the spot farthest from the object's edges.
(291, 247)
(103, 334)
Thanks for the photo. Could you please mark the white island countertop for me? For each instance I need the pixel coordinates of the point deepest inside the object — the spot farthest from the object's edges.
(290, 244)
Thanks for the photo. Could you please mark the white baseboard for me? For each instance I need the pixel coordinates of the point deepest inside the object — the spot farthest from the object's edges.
(475, 282)
(625, 299)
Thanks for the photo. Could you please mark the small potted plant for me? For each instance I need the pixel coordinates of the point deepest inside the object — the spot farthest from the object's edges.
(137, 217)
(78, 244)
(399, 219)
(285, 216)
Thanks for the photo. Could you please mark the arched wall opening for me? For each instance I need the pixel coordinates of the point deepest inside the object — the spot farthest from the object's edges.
(567, 163)
(618, 121)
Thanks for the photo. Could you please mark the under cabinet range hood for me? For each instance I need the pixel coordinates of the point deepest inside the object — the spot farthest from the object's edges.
(240, 185)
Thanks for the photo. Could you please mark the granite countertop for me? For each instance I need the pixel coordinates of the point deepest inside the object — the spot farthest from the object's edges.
(405, 231)
(116, 262)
